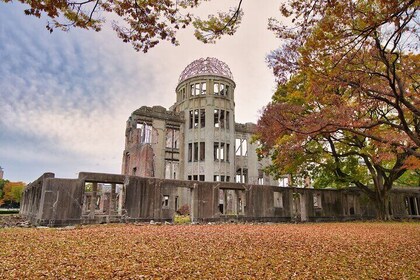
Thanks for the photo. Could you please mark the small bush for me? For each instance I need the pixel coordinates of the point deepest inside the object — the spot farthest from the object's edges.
(182, 219)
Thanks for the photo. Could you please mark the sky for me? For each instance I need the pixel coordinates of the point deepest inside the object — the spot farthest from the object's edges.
(65, 97)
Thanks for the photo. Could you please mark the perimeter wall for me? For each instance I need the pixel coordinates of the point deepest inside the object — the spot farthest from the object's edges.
(104, 198)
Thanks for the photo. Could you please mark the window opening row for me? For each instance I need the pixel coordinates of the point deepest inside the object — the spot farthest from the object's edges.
(146, 135)
(196, 151)
(165, 202)
(198, 89)
(221, 178)
(196, 177)
(221, 151)
(197, 118)
(220, 89)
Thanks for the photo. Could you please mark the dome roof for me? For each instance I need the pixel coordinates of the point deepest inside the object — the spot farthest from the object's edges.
(206, 66)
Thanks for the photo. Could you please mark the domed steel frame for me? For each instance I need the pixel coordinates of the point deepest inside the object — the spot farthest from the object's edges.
(206, 66)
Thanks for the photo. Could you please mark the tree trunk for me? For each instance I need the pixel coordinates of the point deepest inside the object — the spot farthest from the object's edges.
(382, 206)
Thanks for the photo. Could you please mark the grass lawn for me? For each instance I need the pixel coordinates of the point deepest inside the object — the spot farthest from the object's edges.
(267, 251)
(4, 211)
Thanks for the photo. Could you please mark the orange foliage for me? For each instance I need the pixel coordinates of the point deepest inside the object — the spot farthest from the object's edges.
(13, 191)
(282, 251)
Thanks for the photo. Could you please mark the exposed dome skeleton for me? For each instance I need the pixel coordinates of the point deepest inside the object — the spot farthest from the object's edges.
(206, 66)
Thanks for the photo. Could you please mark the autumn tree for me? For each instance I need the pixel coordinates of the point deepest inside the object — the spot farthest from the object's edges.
(2, 183)
(143, 23)
(348, 102)
(13, 193)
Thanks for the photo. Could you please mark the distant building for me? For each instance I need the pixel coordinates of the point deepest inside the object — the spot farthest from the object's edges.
(1, 173)
(197, 138)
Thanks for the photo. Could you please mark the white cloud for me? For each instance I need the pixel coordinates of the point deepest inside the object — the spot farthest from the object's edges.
(65, 97)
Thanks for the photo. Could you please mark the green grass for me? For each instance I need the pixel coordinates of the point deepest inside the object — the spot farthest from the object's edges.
(9, 211)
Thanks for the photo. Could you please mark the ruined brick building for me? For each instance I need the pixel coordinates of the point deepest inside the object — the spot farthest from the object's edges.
(197, 138)
(202, 160)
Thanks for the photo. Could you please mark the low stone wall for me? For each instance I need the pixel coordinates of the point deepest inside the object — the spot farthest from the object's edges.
(103, 198)
(52, 201)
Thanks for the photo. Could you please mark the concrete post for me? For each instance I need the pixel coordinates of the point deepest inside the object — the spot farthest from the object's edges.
(111, 209)
(192, 196)
(93, 201)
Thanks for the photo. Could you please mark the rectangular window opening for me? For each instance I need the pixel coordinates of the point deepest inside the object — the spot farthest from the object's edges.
(216, 118)
(197, 118)
(189, 152)
(203, 88)
(171, 169)
(221, 151)
(165, 201)
(197, 89)
(227, 119)
(221, 178)
(241, 147)
(222, 89)
(241, 175)
(203, 118)
(278, 200)
(196, 151)
(260, 177)
(317, 200)
(283, 182)
(216, 88)
(145, 133)
(202, 151)
(172, 138)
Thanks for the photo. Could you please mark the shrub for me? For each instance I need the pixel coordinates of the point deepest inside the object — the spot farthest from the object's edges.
(182, 219)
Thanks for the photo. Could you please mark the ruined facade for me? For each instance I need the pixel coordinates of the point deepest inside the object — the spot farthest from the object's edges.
(101, 198)
(195, 157)
(197, 139)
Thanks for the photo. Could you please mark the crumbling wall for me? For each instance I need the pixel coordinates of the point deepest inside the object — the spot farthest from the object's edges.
(31, 198)
(61, 202)
(57, 202)
(53, 202)
(155, 199)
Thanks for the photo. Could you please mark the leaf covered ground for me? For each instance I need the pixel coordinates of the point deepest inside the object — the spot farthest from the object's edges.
(267, 251)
